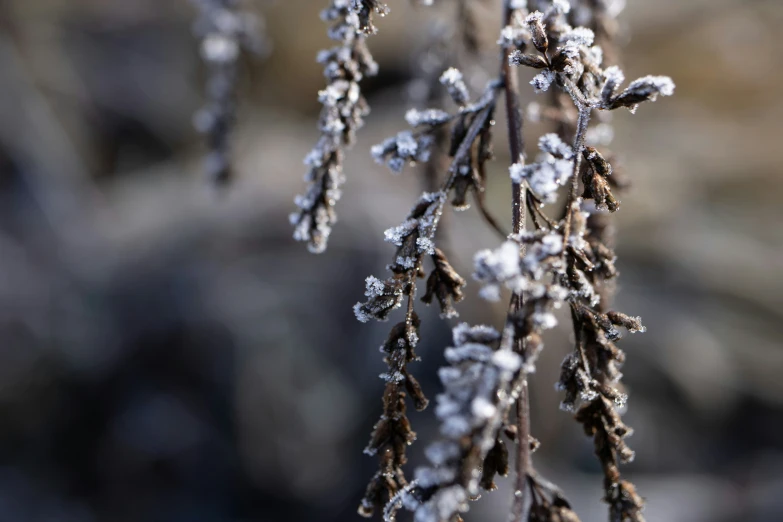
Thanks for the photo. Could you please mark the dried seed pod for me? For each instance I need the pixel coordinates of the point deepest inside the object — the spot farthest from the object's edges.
(535, 25)
(528, 60)
(495, 463)
(633, 324)
(445, 284)
(597, 162)
(641, 90)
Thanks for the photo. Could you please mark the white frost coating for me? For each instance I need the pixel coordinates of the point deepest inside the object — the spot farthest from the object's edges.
(496, 267)
(448, 374)
(455, 85)
(463, 332)
(425, 245)
(534, 18)
(360, 314)
(468, 352)
(544, 320)
(442, 451)
(490, 292)
(579, 36)
(544, 178)
(550, 245)
(396, 235)
(470, 414)
(542, 81)
(614, 74)
(613, 77)
(406, 144)
(506, 360)
(373, 287)
(455, 426)
(416, 117)
(392, 376)
(427, 477)
(501, 264)
(597, 53)
(482, 408)
(661, 84)
(406, 262)
(555, 146)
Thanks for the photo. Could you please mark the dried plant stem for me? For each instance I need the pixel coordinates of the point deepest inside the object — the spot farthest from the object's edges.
(579, 145)
(516, 147)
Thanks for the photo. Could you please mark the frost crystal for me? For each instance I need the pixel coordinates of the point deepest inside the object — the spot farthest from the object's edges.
(552, 144)
(579, 36)
(415, 117)
(455, 85)
(662, 85)
(396, 234)
(544, 178)
(471, 412)
(542, 81)
(496, 267)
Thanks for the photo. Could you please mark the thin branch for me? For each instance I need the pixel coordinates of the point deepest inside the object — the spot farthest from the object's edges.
(516, 147)
(579, 145)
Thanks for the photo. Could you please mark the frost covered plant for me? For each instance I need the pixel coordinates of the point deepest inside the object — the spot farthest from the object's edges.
(224, 31)
(562, 259)
(344, 109)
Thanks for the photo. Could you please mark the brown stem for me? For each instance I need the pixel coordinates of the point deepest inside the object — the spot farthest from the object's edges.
(579, 145)
(516, 147)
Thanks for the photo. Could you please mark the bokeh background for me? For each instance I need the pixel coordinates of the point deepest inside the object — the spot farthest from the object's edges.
(168, 353)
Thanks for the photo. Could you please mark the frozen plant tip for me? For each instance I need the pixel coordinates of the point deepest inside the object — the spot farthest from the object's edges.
(343, 112)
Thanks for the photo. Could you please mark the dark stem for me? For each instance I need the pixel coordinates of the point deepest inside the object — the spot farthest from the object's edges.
(579, 145)
(516, 147)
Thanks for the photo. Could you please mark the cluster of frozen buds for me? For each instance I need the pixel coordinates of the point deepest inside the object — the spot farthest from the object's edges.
(574, 63)
(477, 391)
(392, 433)
(414, 239)
(344, 109)
(225, 31)
(560, 262)
(408, 147)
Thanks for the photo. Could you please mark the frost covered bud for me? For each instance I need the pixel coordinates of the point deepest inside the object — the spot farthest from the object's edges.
(580, 36)
(534, 22)
(613, 77)
(597, 162)
(641, 90)
(528, 60)
(455, 85)
(543, 80)
(633, 324)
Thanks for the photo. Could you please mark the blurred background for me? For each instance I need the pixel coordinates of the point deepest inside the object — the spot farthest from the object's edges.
(168, 353)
